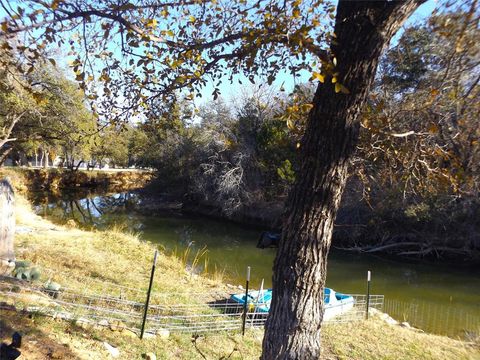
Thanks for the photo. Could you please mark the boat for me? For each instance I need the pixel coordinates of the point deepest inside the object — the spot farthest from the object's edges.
(258, 300)
(335, 303)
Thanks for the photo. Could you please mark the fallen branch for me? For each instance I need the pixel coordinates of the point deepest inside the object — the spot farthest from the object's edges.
(389, 246)
(372, 249)
(416, 253)
(417, 249)
(405, 134)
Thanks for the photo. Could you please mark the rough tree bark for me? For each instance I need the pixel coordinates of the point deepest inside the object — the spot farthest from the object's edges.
(45, 157)
(6, 132)
(4, 155)
(363, 29)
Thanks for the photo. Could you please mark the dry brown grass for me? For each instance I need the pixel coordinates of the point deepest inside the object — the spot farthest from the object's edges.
(45, 338)
(374, 339)
(74, 257)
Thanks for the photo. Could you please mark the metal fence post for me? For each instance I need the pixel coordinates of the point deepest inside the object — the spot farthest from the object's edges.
(246, 301)
(148, 294)
(369, 277)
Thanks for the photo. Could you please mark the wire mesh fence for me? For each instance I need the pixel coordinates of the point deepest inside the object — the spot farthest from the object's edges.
(112, 305)
(122, 307)
(435, 318)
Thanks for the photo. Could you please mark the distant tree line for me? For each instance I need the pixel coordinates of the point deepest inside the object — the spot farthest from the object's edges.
(45, 117)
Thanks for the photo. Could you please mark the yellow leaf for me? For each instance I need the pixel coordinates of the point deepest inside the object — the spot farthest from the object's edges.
(290, 124)
(319, 76)
(80, 77)
(433, 129)
(39, 98)
(337, 88)
(152, 23)
(334, 80)
(4, 26)
(192, 18)
(306, 107)
(340, 88)
(344, 90)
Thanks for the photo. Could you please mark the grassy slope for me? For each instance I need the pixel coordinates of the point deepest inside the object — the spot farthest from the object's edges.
(77, 257)
(374, 339)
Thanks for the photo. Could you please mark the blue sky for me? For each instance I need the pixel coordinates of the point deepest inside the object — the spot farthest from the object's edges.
(230, 90)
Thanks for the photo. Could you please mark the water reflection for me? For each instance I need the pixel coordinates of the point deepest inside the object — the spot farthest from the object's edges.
(89, 210)
(231, 248)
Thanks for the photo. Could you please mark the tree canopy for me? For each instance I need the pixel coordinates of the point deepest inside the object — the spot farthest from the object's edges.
(143, 51)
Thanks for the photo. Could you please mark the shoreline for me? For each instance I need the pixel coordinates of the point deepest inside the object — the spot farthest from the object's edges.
(75, 257)
(263, 216)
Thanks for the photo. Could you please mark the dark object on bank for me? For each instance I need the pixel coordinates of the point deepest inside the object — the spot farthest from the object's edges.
(11, 352)
(268, 239)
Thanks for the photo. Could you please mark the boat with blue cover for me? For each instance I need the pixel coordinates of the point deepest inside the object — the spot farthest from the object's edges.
(258, 300)
(335, 303)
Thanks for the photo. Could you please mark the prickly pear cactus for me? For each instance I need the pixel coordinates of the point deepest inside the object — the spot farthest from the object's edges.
(25, 271)
(7, 227)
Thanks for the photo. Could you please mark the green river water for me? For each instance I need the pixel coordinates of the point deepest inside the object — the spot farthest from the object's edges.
(438, 298)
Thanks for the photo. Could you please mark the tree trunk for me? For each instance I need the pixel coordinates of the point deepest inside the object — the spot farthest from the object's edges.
(4, 156)
(71, 164)
(7, 227)
(78, 165)
(363, 29)
(46, 154)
